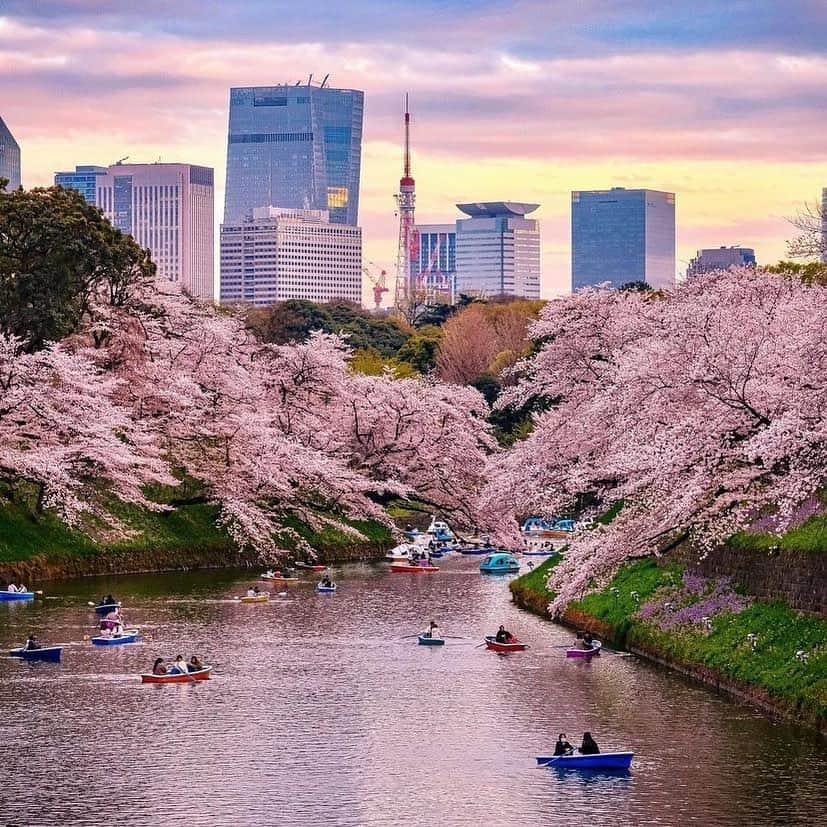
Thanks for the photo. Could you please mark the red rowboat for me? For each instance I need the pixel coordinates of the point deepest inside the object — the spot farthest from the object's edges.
(514, 646)
(200, 675)
(413, 568)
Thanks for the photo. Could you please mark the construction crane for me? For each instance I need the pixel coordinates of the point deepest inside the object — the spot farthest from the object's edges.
(380, 285)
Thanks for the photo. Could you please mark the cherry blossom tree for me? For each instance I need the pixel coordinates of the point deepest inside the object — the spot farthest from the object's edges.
(61, 431)
(700, 409)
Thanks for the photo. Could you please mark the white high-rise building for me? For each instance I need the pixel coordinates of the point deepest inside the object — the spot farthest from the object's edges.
(167, 208)
(498, 250)
(277, 254)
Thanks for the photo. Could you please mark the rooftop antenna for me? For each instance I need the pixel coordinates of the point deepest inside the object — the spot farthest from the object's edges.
(325, 80)
(121, 160)
(310, 79)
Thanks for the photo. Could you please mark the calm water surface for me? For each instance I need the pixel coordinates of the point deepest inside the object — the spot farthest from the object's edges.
(322, 711)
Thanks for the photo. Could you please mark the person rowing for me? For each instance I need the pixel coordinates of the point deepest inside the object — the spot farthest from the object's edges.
(587, 642)
(563, 747)
(433, 631)
(179, 667)
(504, 636)
(327, 583)
(32, 643)
(195, 664)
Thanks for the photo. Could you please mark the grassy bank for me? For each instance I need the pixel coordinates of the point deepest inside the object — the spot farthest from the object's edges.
(808, 538)
(754, 652)
(128, 538)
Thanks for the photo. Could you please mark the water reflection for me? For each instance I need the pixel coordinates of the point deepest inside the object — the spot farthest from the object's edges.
(324, 709)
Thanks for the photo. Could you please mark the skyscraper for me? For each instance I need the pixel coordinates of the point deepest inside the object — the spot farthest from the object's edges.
(84, 179)
(720, 258)
(9, 157)
(498, 250)
(167, 208)
(621, 236)
(294, 146)
(277, 254)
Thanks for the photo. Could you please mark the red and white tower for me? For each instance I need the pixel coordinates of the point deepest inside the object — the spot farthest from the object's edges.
(405, 201)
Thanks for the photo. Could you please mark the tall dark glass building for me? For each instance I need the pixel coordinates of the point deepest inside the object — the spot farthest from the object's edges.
(9, 157)
(621, 236)
(298, 147)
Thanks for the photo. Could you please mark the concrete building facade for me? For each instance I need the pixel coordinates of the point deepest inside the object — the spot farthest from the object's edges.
(278, 253)
(498, 250)
(167, 208)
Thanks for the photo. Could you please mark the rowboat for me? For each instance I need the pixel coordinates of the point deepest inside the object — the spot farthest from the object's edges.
(258, 598)
(500, 563)
(478, 550)
(426, 640)
(310, 567)
(413, 568)
(514, 646)
(326, 589)
(546, 552)
(127, 636)
(280, 579)
(177, 677)
(50, 653)
(574, 652)
(7, 595)
(600, 761)
(103, 609)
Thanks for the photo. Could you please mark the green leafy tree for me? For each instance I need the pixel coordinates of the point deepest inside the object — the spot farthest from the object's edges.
(420, 351)
(57, 255)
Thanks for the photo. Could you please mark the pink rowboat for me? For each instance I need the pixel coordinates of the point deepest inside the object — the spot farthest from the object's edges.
(585, 653)
(514, 646)
(414, 569)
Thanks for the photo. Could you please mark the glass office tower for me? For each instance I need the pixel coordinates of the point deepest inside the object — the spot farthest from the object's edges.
(298, 147)
(621, 236)
(84, 179)
(9, 157)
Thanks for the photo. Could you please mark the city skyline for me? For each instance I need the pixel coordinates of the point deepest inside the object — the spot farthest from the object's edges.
(528, 104)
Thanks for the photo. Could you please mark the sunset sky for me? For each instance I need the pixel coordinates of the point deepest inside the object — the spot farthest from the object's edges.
(723, 103)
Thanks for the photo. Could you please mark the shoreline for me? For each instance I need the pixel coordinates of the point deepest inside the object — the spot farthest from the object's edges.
(530, 599)
(43, 569)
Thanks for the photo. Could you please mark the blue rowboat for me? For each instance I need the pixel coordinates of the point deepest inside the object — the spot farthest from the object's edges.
(601, 761)
(50, 653)
(543, 553)
(129, 636)
(425, 640)
(479, 551)
(326, 589)
(7, 595)
(103, 609)
(500, 563)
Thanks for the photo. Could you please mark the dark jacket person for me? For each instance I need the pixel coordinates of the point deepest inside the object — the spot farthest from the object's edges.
(589, 747)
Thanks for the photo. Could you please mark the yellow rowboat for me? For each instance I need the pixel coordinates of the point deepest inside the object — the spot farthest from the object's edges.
(259, 598)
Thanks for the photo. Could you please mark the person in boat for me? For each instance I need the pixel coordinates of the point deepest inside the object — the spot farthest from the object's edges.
(587, 642)
(326, 582)
(179, 667)
(563, 747)
(195, 665)
(108, 600)
(503, 635)
(159, 668)
(433, 630)
(11, 588)
(32, 643)
(589, 746)
(251, 592)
